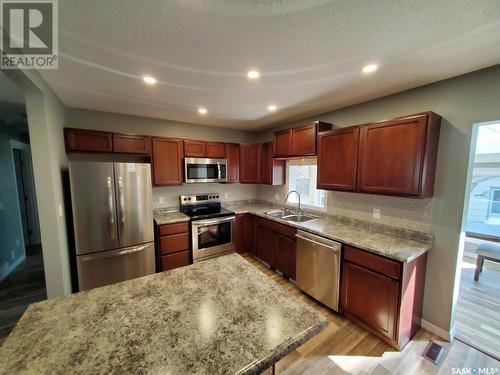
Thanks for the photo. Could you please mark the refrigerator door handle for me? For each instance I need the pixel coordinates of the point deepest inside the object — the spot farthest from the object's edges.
(114, 254)
(110, 208)
(121, 199)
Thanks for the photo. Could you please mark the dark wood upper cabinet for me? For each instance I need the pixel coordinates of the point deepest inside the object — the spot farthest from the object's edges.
(398, 157)
(299, 141)
(304, 140)
(81, 140)
(233, 162)
(250, 163)
(215, 150)
(282, 143)
(337, 159)
(167, 161)
(194, 149)
(272, 171)
(131, 144)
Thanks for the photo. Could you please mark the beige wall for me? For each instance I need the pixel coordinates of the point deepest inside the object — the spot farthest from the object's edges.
(461, 101)
(86, 119)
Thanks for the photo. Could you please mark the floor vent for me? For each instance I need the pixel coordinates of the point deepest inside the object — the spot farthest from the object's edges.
(434, 353)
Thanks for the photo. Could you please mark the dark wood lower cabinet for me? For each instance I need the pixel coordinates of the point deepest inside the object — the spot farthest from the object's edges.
(172, 246)
(285, 255)
(266, 246)
(383, 295)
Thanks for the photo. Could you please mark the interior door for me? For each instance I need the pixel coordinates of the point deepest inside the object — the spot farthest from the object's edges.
(134, 203)
(94, 209)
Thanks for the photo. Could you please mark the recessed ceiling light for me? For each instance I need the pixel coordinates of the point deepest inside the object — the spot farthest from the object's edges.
(253, 74)
(202, 111)
(272, 107)
(149, 80)
(370, 68)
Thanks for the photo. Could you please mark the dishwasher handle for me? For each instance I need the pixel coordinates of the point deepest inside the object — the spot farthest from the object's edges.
(332, 245)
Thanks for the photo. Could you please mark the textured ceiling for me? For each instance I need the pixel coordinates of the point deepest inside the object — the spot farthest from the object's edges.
(309, 54)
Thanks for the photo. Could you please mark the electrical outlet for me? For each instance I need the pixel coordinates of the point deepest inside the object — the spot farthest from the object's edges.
(60, 207)
(161, 200)
(277, 196)
(376, 213)
(226, 195)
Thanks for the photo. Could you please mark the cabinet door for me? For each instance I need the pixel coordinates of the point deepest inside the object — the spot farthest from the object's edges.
(337, 159)
(81, 140)
(304, 140)
(251, 241)
(131, 144)
(266, 246)
(167, 161)
(250, 163)
(215, 150)
(370, 298)
(233, 162)
(391, 156)
(285, 255)
(272, 171)
(194, 149)
(241, 233)
(282, 144)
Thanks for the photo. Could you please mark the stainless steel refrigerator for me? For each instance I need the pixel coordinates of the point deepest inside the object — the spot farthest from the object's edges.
(113, 221)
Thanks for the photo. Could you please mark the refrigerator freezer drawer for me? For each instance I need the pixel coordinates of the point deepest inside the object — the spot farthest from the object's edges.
(113, 266)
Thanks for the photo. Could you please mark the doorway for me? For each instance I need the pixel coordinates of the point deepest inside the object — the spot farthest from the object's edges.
(22, 276)
(477, 319)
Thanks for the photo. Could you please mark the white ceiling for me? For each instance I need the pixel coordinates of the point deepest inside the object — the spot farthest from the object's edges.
(309, 53)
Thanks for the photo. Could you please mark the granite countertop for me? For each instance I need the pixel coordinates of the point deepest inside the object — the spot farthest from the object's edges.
(401, 245)
(220, 316)
(169, 217)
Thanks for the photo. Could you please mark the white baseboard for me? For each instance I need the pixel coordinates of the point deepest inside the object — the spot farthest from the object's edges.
(5, 271)
(446, 335)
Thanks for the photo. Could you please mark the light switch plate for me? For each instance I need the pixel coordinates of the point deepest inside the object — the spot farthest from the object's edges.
(161, 200)
(376, 213)
(277, 196)
(226, 195)
(60, 207)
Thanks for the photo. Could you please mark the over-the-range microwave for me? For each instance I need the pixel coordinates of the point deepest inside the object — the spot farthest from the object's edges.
(204, 170)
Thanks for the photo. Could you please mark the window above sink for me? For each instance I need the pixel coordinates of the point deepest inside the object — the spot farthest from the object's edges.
(301, 175)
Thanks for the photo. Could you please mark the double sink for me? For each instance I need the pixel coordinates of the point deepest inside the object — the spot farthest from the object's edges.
(291, 215)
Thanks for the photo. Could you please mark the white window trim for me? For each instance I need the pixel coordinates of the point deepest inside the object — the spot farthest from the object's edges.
(303, 205)
(490, 214)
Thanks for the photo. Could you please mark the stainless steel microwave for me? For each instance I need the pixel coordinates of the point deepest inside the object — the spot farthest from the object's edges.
(204, 170)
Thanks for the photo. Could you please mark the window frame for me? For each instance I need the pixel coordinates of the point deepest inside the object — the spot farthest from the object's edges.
(298, 162)
(490, 206)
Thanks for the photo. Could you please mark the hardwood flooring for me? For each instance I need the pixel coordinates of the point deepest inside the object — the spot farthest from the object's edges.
(344, 348)
(478, 309)
(25, 285)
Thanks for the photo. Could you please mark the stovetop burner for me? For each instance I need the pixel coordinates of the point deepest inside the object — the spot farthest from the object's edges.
(203, 206)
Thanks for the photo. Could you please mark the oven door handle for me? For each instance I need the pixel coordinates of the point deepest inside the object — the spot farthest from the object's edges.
(199, 223)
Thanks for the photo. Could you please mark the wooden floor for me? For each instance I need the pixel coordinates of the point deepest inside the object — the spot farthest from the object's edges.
(343, 348)
(478, 309)
(25, 285)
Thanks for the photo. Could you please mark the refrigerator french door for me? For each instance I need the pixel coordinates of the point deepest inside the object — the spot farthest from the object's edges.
(113, 221)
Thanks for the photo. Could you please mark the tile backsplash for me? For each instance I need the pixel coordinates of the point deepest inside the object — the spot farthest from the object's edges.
(407, 213)
(169, 196)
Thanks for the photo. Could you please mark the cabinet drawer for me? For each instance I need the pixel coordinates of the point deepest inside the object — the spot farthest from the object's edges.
(168, 229)
(176, 260)
(373, 262)
(174, 243)
(282, 229)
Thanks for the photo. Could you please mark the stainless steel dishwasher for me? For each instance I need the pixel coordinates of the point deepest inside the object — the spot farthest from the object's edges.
(318, 268)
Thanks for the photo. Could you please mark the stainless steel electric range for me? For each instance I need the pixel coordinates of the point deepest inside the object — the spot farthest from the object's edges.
(212, 227)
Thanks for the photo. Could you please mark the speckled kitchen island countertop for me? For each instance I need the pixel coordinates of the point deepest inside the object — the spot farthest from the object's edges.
(399, 244)
(221, 316)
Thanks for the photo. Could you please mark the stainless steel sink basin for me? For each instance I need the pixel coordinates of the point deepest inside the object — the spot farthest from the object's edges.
(289, 216)
(299, 218)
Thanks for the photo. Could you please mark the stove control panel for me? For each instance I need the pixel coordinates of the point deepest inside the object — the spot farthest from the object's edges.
(199, 198)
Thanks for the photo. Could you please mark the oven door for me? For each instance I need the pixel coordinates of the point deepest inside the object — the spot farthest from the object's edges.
(204, 170)
(212, 237)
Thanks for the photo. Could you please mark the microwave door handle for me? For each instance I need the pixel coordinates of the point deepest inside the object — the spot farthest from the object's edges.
(218, 171)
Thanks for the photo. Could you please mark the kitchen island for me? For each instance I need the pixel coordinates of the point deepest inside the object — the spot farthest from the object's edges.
(221, 316)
